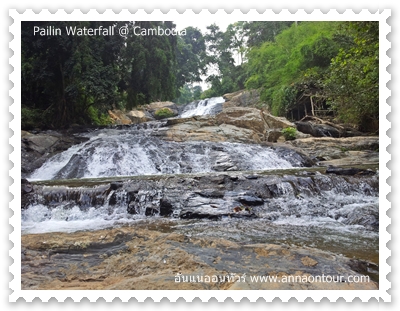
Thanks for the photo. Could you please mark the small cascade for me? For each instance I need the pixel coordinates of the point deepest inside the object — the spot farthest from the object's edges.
(138, 150)
(133, 152)
(257, 193)
(209, 106)
(328, 200)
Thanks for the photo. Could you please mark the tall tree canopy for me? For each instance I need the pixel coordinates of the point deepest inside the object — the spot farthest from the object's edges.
(320, 65)
(64, 76)
(149, 64)
(300, 68)
(352, 83)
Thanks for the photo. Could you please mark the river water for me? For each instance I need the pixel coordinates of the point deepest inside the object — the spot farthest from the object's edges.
(332, 220)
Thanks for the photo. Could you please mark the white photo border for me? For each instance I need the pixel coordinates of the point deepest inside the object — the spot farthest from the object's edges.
(235, 15)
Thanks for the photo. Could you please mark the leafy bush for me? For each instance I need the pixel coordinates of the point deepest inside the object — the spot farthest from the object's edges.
(164, 113)
(31, 118)
(98, 118)
(289, 133)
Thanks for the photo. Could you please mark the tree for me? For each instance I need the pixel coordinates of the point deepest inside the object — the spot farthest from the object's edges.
(224, 74)
(189, 93)
(64, 76)
(149, 64)
(190, 55)
(352, 84)
(289, 70)
(259, 32)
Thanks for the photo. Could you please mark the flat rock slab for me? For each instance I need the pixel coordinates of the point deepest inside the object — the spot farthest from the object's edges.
(131, 258)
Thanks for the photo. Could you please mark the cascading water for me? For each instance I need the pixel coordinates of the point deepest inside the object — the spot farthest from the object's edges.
(319, 211)
(313, 210)
(204, 107)
(135, 151)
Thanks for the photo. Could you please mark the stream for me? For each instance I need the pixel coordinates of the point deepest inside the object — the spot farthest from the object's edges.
(127, 176)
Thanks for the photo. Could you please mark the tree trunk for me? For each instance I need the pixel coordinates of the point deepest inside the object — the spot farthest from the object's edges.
(312, 106)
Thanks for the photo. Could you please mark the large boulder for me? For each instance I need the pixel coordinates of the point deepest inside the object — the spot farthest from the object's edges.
(340, 151)
(203, 129)
(244, 117)
(119, 117)
(276, 122)
(317, 130)
(237, 124)
(139, 116)
(156, 106)
(229, 96)
(243, 98)
(322, 128)
(37, 148)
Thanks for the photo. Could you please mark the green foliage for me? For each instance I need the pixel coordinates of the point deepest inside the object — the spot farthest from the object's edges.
(225, 74)
(188, 93)
(281, 68)
(30, 118)
(149, 65)
(191, 57)
(352, 85)
(335, 63)
(164, 113)
(97, 117)
(63, 75)
(75, 79)
(259, 32)
(289, 133)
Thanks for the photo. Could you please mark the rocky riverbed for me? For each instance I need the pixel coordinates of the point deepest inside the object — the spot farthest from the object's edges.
(145, 204)
(155, 257)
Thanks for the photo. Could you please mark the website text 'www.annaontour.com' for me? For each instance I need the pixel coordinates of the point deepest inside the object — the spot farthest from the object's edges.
(271, 278)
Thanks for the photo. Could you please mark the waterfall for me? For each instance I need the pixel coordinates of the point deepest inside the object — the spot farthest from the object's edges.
(305, 209)
(124, 155)
(225, 181)
(135, 151)
(204, 107)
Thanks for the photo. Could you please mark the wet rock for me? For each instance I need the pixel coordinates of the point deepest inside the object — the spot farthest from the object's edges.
(150, 211)
(26, 186)
(366, 216)
(224, 166)
(317, 130)
(213, 179)
(340, 151)
(216, 195)
(294, 156)
(37, 148)
(134, 258)
(138, 116)
(115, 185)
(166, 208)
(131, 209)
(27, 193)
(348, 171)
(209, 193)
(250, 200)
(113, 199)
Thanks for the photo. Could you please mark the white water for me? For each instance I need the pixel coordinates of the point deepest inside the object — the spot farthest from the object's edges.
(131, 153)
(135, 151)
(40, 219)
(204, 107)
(310, 221)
